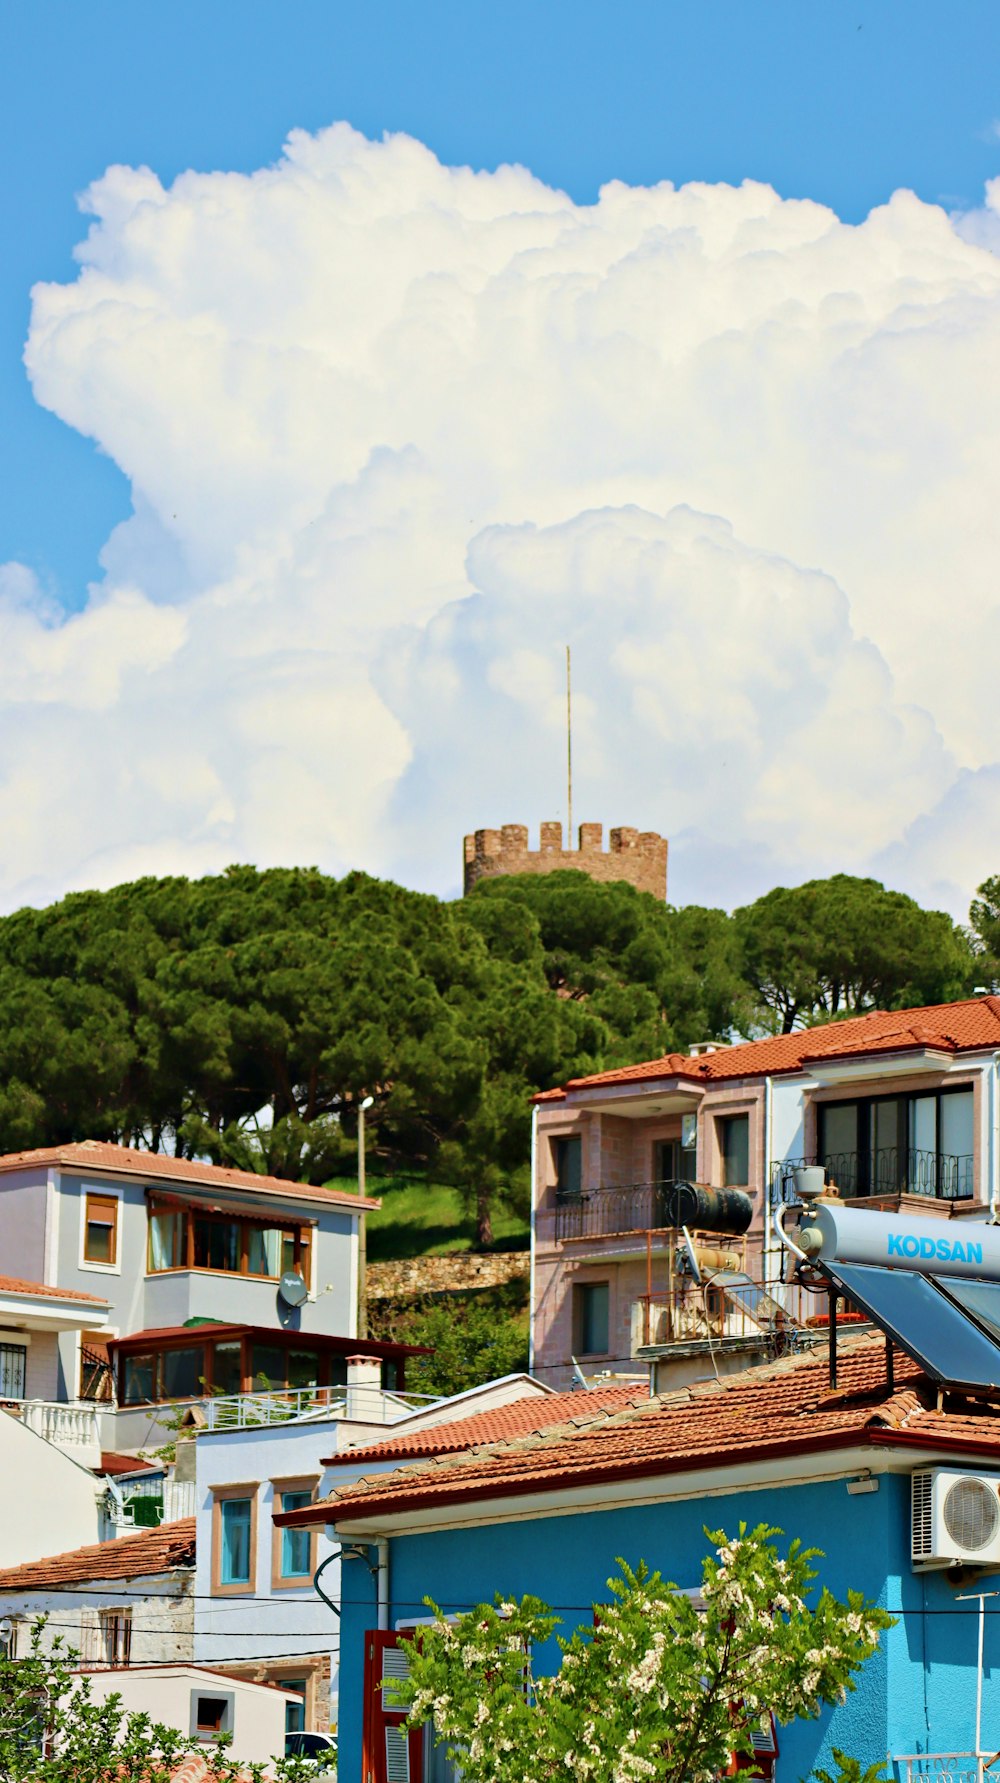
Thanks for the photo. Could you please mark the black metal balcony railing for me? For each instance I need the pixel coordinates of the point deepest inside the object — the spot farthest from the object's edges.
(608, 1213)
(892, 1170)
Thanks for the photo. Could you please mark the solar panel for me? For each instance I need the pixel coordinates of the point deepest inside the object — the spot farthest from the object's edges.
(745, 1294)
(924, 1321)
(981, 1299)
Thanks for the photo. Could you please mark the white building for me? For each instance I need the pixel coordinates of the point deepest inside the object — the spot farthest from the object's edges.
(257, 1612)
(124, 1602)
(202, 1704)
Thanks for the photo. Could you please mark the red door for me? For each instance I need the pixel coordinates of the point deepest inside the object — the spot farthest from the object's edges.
(390, 1753)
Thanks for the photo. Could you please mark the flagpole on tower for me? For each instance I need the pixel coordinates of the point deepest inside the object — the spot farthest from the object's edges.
(569, 752)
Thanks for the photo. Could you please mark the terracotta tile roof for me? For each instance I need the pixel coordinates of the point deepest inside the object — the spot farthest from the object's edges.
(124, 1160)
(112, 1463)
(784, 1408)
(496, 1425)
(12, 1284)
(969, 1026)
(136, 1556)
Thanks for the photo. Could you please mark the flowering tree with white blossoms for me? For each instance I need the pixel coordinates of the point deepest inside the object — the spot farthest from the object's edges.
(659, 1688)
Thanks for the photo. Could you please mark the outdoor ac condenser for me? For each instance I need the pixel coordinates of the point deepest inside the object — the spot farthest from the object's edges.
(954, 1518)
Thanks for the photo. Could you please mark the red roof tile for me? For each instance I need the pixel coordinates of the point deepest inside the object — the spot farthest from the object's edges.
(784, 1408)
(12, 1284)
(129, 1557)
(970, 1026)
(496, 1425)
(124, 1160)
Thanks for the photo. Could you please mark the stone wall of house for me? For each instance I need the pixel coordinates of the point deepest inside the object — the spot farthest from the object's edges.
(458, 1274)
(637, 857)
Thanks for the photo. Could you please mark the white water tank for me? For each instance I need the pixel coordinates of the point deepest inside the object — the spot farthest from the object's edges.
(830, 1233)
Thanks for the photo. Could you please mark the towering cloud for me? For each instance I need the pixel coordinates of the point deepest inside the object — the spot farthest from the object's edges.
(397, 431)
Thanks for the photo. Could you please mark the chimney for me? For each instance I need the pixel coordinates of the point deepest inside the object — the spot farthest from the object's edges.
(365, 1401)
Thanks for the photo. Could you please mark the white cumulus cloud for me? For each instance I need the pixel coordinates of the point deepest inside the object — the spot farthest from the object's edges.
(397, 431)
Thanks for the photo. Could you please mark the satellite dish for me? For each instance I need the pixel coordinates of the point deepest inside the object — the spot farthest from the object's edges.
(291, 1288)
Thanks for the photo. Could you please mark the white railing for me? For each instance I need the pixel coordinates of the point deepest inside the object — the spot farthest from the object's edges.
(244, 1411)
(179, 1499)
(70, 1426)
(963, 1767)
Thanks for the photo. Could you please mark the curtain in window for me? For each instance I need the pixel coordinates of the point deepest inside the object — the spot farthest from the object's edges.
(264, 1251)
(162, 1227)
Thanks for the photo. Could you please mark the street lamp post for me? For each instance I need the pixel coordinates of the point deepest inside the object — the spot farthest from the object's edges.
(362, 1330)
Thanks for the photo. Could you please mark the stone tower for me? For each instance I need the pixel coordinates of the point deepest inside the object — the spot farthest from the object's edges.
(639, 857)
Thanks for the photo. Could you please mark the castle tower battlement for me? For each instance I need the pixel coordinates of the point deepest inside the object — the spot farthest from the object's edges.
(639, 857)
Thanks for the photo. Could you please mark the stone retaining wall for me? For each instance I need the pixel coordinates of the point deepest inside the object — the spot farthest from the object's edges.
(458, 1274)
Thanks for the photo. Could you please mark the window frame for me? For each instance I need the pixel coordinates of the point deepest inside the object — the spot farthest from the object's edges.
(114, 1626)
(208, 1735)
(299, 1231)
(245, 1489)
(866, 1151)
(561, 1144)
(579, 1288)
(281, 1581)
(723, 1119)
(101, 1192)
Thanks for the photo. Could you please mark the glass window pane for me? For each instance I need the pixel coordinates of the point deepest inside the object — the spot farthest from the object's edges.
(166, 1241)
(592, 1322)
(235, 1557)
(264, 1251)
(926, 1323)
(888, 1175)
(735, 1147)
(13, 1370)
(296, 1543)
(268, 1367)
(140, 1375)
(216, 1244)
(838, 1144)
(956, 1129)
(227, 1368)
(182, 1372)
(923, 1123)
(295, 1713)
(569, 1165)
(303, 1368)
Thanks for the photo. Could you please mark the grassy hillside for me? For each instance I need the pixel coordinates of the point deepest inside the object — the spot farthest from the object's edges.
(427, 1219)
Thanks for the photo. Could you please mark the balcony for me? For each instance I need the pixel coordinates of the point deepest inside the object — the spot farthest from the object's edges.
(891, 1170)
(75, 1428)
(610, 1213)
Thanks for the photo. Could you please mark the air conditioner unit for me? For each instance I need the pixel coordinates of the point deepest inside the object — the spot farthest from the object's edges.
(954, 1519)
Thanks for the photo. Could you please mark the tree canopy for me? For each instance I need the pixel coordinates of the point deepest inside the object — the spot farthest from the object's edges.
(244, 1017)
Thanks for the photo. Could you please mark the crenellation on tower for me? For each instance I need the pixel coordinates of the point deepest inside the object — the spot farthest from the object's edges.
(636, 857)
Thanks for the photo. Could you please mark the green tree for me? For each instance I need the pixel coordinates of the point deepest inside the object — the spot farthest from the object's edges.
(657, 1688)
(473, 1337)
(52, 1730)
(836, 947)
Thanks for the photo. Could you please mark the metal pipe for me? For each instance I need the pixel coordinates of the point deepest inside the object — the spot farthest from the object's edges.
(995, 1140)
(382, 1580)
(533, 1237)
(789, 1243)
(768, 1123)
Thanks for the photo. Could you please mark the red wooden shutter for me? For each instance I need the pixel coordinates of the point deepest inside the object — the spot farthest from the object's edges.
(390, 1753)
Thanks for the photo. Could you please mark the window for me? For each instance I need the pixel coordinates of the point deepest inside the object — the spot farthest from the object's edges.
(673, 1159)
(116, 1636)
(13, 1370)
(140, 1380)
(8, 1637)
(569, 1165)
(294, 1559)
(192, 1238)
(234, 1540)
(590, 1318)
(211, 1714)
(182, 1374)
(295, 1713)
(100, 1230)
(227, 1367)
(885, 1145)
(734, 1146)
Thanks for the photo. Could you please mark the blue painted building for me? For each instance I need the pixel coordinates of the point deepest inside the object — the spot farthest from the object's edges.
(550, 1515)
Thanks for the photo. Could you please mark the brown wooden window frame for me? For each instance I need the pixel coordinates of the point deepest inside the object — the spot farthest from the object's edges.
(281, 1581)
(106, 1201)
(115, 1627)
(246, 1489)
(300, 1235)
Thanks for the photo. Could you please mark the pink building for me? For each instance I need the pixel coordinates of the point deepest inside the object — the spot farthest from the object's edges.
(901, 1108)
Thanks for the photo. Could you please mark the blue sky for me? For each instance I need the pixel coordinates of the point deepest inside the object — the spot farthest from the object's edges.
(332, 446)
(841, 102)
